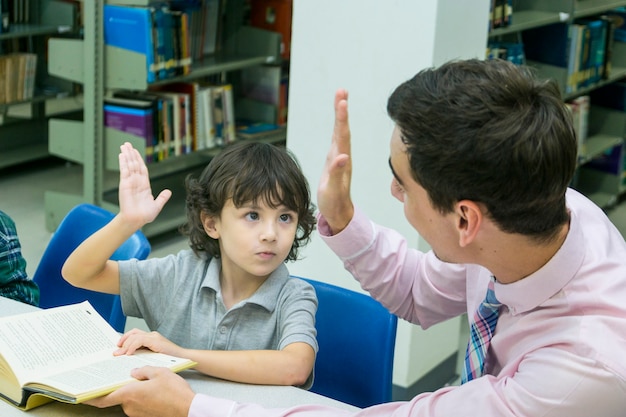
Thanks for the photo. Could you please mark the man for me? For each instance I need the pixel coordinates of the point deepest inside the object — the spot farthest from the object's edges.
(481, 155)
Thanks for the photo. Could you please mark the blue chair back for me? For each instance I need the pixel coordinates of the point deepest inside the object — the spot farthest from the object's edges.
(78, 224)
(356, 337)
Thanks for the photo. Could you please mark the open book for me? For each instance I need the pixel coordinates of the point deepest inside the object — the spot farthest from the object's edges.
(66, 354)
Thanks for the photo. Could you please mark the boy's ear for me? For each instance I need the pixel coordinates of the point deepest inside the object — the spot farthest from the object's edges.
(208, 222)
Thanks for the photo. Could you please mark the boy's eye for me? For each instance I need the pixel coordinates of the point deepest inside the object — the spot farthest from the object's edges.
(253, 215)
(286, 217)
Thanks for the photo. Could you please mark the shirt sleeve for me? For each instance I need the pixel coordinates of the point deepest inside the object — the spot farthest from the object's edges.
(206, 406)
(577, 390)
(146, 286)
(414, 285)
(297, 314)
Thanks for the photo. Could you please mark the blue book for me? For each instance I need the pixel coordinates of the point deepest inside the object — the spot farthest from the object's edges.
(130, 28)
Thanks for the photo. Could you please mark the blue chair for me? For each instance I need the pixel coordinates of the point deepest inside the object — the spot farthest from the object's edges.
(78, 224)
(356, 337)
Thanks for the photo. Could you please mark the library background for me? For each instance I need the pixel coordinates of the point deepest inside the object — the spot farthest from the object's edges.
(182, 79)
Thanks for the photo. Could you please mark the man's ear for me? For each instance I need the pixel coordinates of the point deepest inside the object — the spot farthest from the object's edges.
(469, 219)
(208, 222)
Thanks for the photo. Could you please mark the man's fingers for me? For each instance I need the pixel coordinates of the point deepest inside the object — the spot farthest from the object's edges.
(105, 401)
(341, 111)
(146, 372)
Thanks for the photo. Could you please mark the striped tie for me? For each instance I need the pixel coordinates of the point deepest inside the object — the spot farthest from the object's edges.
(481, 330)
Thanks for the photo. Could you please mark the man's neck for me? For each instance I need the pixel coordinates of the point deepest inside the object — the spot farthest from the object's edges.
(515, 257)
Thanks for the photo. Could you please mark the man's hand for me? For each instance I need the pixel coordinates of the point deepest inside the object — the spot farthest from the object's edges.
(333, 193)
(137, 205)
(159, 392)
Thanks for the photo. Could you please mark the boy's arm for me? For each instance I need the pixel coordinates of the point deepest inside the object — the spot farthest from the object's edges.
(290, 366)
(89, 265)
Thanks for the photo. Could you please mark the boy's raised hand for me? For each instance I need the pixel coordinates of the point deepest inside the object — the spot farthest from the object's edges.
(137, 204)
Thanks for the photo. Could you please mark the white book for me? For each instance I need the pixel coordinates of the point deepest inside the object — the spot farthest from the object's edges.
(66, 354)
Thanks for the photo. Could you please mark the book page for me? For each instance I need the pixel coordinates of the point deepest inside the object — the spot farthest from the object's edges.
(104, 376)
(48, 341)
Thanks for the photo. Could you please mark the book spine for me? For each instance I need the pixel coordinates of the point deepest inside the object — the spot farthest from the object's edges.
(228, 103)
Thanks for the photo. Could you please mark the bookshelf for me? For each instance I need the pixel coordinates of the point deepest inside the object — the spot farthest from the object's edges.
(23, 121)
(607, 127)
(101, 68)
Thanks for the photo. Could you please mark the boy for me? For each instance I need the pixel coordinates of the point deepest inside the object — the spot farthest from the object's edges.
(229, 303)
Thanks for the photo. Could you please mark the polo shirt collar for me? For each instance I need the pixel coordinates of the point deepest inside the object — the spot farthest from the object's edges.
(265, 296)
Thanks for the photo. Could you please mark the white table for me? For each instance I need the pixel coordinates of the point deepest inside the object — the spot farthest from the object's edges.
(269, 396)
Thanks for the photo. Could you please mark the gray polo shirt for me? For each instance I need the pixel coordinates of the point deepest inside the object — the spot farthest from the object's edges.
(180, 297)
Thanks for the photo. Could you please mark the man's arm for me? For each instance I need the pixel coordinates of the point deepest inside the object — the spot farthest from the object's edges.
(566, 387)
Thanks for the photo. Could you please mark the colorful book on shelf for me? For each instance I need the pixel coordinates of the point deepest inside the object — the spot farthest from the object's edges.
(191, 90)
(176, 118)
(594, 50)
(206, 124)
(134, 117)
(66, 354)
(611, 23)
(158, 123)
(131, 28)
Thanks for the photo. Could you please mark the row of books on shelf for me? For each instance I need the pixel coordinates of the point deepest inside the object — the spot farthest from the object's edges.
(509, 51)
(583, 48)
(17, 77)
(500, 13)
(174, 119)
(170, 34)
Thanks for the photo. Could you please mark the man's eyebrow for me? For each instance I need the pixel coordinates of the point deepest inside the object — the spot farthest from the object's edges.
(394, 173)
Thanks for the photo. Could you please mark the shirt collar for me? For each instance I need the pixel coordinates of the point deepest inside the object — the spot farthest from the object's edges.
(267, 294)
(535, 289)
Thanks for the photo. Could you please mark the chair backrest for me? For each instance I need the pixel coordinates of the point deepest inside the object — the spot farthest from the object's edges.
(356, 337)
(78, 224)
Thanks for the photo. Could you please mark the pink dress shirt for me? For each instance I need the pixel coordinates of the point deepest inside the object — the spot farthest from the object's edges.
(559, 349)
